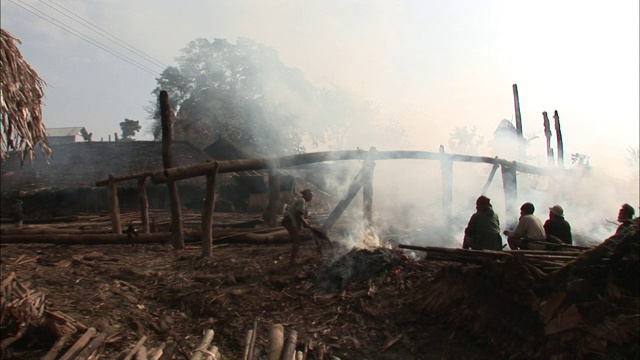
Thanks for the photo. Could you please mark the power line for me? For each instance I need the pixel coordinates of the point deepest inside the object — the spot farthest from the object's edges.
(89, 25)
(78, 34)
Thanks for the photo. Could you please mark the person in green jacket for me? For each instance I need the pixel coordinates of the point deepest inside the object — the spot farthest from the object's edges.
(483, 230)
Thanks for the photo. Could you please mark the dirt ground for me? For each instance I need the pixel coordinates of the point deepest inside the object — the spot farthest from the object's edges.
(175, 296)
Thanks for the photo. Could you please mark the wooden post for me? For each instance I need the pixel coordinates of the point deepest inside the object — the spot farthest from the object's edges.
(274, 195)
(144, 205)
(516, 103)
(114, 207)
(490, 179)
(556, 117)
(367, 188)
(167, 138)
(510, 184)
(207, 214)
(547, 134)
(446, 166)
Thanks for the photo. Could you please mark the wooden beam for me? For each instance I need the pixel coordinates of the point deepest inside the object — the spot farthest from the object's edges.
(189, 171)
(490, 179)
(356, 185)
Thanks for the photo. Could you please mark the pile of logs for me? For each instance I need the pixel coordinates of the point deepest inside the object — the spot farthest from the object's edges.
(279, 347)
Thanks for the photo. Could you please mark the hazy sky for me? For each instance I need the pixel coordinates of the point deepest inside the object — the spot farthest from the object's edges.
(430, 65)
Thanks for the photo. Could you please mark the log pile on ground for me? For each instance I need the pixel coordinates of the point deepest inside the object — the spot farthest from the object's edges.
(587, 307)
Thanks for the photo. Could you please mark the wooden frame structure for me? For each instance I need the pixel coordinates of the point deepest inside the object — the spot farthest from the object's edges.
(363, 180)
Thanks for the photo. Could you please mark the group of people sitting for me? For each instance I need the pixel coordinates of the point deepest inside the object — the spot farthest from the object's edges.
(483, 230)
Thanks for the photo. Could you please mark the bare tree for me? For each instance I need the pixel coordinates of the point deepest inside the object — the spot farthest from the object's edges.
(21, 109)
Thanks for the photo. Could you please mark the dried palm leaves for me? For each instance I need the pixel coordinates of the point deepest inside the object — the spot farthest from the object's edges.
(21, 100)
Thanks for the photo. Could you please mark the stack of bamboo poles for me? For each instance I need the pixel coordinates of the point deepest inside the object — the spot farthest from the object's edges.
(544, 261)
(22, 309)
(278, 347)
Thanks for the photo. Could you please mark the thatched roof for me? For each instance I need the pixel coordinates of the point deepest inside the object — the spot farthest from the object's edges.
(81, 164)
(21, 103)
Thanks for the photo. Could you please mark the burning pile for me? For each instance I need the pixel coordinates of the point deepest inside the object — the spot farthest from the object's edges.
(357, 266)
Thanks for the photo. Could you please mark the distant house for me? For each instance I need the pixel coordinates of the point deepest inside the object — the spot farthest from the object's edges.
(66, 135)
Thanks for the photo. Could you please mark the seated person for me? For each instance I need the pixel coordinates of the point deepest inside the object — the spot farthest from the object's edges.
(528, 231)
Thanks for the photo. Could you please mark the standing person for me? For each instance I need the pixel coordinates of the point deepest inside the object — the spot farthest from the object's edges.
(557, 226)
(294, 220)
(483, 230)
(625, 218)
(17, 212)
(529, 228)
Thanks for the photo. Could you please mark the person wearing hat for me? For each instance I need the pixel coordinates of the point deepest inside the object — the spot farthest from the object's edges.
(483, 230)
(625, 218)
(294, 221)
(528, 232)
(557, 226)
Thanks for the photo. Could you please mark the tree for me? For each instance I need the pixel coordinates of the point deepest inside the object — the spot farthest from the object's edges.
(580, 161)
(244, 93)
(21, 109)
(464, 141)
(633, 159)
(129, 129)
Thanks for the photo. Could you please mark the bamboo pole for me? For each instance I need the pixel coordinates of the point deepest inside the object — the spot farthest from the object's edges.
(289, 350)
(93, 345)
(252, 344)
(59, 345)
(136, 348)
(84, 339)
(207, 213)
(198, 353)
(276, 341)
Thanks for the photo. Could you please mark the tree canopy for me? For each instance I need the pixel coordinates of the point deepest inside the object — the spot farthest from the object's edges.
(129, 128)
(21, 109)
(244, 93)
